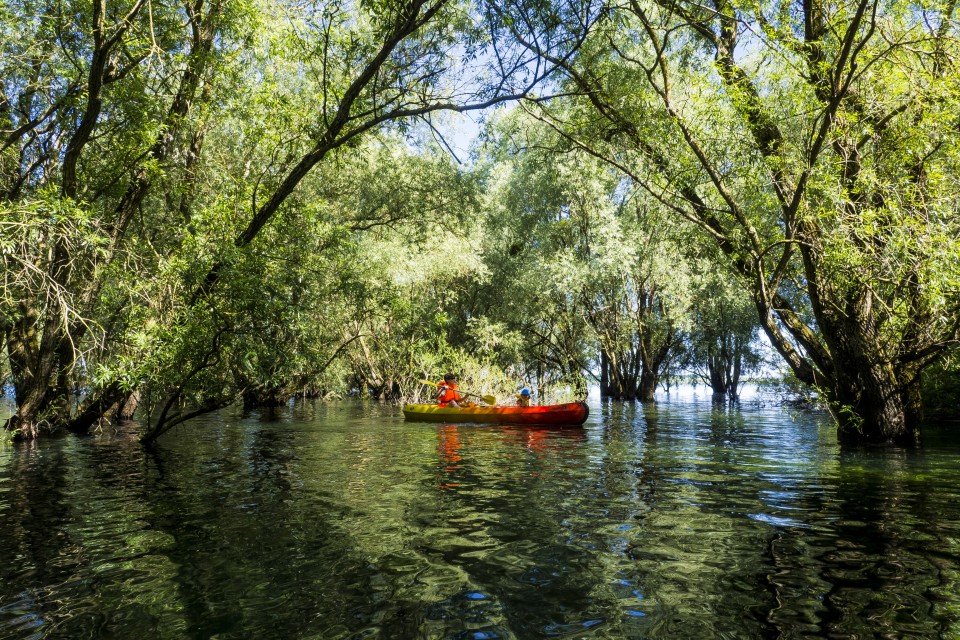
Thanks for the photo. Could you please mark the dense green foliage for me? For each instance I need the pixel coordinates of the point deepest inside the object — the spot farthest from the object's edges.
(941, 392)
(183, 185)
(210, 202)
(817, 146)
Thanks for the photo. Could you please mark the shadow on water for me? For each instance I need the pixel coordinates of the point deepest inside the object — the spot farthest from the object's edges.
(241, 542)
(35, 544)
(680, 519)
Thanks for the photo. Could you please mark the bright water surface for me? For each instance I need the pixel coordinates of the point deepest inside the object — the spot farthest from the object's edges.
(344, 521)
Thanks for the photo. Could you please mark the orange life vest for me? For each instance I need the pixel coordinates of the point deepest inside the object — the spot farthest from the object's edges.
(447, 394)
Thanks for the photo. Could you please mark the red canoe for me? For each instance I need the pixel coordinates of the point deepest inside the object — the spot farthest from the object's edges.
(571, 413)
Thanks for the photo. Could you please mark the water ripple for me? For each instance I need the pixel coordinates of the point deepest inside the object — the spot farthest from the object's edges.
(338, 521)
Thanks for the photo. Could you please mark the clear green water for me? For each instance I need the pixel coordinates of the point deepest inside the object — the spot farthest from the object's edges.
(343, 521)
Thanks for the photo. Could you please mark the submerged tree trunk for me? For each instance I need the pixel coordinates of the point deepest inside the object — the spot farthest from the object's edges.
(873, 397)
(621, 372)
(33, 364)
(724, 364)
(734, 391)
(717, 370)
(648, 386)
(635, 345)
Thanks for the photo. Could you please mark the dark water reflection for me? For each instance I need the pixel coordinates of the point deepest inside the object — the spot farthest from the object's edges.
(680, 521)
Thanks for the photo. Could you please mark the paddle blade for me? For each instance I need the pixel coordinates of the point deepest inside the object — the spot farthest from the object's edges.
(491, 400)
(432, 384)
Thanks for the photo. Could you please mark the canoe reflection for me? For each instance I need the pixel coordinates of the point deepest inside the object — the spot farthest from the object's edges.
(542, 439)
(449, 449)
(536, 440)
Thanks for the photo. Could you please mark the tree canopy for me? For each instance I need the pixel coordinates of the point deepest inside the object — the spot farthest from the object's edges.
(213, 201)
(816, 145)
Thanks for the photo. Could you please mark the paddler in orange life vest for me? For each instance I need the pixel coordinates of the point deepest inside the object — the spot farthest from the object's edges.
(447, 394)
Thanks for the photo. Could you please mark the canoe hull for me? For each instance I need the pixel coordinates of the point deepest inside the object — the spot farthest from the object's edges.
(571, 413)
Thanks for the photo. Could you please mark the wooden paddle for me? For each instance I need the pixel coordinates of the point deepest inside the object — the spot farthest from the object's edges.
(491, 400)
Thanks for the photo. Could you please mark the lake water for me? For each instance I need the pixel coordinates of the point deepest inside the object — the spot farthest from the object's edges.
(683, 520)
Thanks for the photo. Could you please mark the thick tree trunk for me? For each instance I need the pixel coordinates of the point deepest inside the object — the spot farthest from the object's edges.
(873, 398)
(33, 367)
(871, 408)
(26, 424)
(869, 403)
(648, 385)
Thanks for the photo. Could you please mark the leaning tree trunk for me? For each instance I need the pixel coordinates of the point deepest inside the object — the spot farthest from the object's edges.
(127, 407)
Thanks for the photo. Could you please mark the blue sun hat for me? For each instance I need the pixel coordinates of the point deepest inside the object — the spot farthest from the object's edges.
(525, 392)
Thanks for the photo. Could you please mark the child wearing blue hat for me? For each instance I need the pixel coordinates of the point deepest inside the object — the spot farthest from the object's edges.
(523, 398)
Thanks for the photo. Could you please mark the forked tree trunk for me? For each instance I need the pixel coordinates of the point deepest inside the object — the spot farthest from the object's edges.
(716, 367)
(723, 368)
(621, 374)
